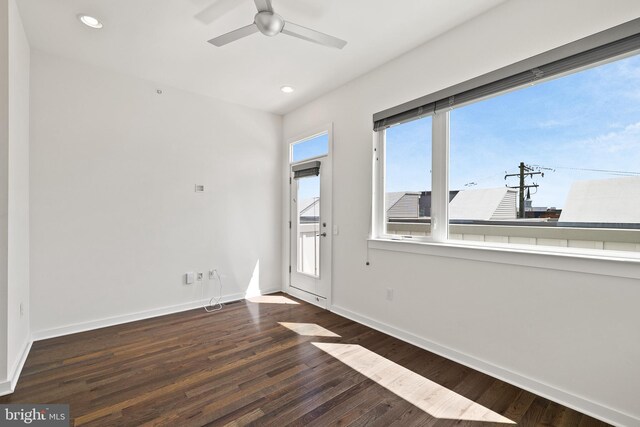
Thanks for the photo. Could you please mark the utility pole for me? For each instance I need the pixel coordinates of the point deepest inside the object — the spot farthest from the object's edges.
(524, 171)
(522, 199)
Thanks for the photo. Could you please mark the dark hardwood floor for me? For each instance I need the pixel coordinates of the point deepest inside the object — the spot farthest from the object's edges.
(241, 366)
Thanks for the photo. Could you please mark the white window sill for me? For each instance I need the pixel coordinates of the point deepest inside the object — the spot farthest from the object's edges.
(606, 263)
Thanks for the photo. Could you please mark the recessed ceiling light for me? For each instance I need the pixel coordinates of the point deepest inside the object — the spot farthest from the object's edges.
(287, 89)
(90, 21)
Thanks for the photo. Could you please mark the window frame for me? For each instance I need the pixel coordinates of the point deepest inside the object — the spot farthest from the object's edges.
(439, 236)
(379, 216)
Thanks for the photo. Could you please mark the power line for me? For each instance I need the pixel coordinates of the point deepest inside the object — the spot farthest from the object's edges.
(475, 182)
(614, 172)
(486, 178)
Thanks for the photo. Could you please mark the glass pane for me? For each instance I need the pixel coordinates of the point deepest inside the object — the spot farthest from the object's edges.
(408, 178)
(308, 202)
(313, 147)
(556, 162)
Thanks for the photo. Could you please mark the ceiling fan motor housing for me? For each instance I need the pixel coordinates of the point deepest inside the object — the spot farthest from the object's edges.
(269, 23)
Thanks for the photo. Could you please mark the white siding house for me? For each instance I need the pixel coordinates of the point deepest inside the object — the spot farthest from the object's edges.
(484, 204)
(403, 204)
(615, 200)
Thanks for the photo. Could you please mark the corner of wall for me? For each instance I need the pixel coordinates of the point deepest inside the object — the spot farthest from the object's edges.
(14, 239)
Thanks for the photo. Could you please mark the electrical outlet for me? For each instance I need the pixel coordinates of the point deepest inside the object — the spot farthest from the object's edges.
(21, 309)
(212, 274)
(200, 276)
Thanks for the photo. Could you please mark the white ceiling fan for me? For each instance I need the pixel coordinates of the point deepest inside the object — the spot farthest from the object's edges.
(270, 24)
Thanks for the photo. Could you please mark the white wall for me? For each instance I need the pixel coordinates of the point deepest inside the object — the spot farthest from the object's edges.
(14, 192)
(115, 221)
(4, 180)
(18, 197)
(574, 332)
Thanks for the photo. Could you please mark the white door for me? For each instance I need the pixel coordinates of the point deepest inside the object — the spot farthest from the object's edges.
(310, 262)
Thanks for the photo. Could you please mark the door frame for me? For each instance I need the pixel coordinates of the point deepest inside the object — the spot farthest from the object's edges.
(327, 169)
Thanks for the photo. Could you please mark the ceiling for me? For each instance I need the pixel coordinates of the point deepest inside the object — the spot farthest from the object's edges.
(166, 41)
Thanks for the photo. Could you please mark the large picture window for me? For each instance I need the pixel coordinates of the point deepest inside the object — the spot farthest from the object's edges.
(549, 163)
(546, 157)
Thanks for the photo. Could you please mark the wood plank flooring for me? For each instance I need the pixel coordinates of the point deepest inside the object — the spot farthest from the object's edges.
(240, 366)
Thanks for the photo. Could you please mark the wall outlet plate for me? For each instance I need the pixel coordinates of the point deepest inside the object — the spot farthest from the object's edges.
(199, 188)
(189, 278)
(212, 274)
(200, 276)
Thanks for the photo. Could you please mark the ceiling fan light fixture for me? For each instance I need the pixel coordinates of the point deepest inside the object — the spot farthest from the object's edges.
(287, 89)
(90, 21)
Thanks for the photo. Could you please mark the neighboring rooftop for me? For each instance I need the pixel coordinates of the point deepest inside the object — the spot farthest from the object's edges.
(404, 204)
(309, 208)
(484, 204)
(615, 200)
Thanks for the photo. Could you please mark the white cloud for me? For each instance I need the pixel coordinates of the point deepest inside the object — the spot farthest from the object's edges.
(549, 124)
(612, 142)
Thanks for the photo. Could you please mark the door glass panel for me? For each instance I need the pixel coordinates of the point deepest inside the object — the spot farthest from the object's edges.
(308, 198)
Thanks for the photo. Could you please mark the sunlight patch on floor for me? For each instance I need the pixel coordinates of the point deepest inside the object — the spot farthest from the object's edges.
(271, 299)
(309, 329)
(432, 398)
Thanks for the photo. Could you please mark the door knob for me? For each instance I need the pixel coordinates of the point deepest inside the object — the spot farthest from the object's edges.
(323, 234)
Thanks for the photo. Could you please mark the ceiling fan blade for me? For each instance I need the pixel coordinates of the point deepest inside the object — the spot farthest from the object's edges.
(308, 34)
(216, 10)
(264, 5)
(234, 35)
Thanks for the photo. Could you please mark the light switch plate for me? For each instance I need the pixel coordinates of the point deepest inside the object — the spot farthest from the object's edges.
(189, 278)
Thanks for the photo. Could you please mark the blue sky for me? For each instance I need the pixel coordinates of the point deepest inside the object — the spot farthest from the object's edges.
(587, 120)
(313, 147)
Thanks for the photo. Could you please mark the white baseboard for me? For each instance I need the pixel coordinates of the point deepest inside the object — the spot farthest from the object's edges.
(17, 368)
(578, 403)
(126, 318)
(8, 386)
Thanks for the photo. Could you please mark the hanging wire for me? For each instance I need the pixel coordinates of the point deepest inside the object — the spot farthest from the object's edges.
(607, 171)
